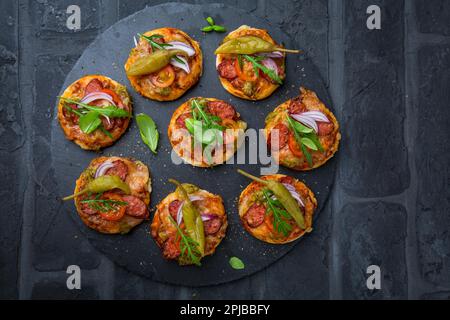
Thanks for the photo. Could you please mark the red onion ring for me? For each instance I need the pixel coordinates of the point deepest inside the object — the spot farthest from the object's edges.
(184, 66)
(178, 45)
(180, 208)
(294, 193)
(273, 54)
(307, 121)
(316, 115)
(93, 96)
(101, 169)
(269, 63)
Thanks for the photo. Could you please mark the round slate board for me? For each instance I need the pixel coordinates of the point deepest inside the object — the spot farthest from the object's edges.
(137, 251)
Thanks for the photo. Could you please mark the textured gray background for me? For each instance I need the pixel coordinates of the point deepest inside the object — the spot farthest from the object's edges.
(390, 203)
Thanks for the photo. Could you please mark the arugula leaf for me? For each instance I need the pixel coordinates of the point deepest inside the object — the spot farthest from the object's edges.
(106, 132)
(257, 65)
(89, 122)
(280, 215)
(109, 111)
(188, 247)
(236, 263)
(148, 130)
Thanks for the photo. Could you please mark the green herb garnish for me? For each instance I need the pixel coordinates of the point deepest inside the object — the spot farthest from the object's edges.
(236, 263)
(159, 46)
(306, 138)
(104, 205)
(255, 61)
(188, 247)
(212, 26)
(89, 116)
(148, 130)
(280, 215)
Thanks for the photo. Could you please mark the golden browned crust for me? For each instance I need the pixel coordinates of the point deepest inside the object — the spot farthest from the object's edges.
(162, 227)
(183, 81)
(265, 231)
(181, 140)
(330, 142)
(263, 87)
(97, 139)
(139, 182)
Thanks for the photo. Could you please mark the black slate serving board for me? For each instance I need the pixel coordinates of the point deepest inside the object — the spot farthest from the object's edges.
(137, 252)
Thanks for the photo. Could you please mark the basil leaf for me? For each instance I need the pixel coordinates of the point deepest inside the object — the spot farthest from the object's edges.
(309, 143)
(207, 29)
(301, 128)
(316, 140)
(236, 263)
(210, 21)
(89, 122)
(148, 130)
(219, 28)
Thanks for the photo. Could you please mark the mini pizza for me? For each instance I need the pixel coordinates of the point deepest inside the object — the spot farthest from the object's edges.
(189, 224)
(94, 111)
(165, 63)
(113, 194)
(302, 133)
(277, 209)
(205, 131)
(250, 64)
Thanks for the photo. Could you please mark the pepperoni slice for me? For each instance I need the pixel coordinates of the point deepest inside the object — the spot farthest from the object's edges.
(226, 69)
(221, 109)
(296, 106)
(135, 207)
(212, 226)
(94, 85)
(173, 208)
(255, 215)
(120, 169)
(171, 248)
(180, 120)
(325, 128)
(283, 135)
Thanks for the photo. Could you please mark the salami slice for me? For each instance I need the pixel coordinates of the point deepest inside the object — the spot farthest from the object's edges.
(221, 109)
(120, 169)
(135, 207)
(226, 69)
(255, 215)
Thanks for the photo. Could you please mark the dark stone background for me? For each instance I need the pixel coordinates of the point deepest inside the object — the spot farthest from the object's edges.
(390, 203)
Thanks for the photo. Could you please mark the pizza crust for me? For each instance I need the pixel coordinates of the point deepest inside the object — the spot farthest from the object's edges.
(264, 232)
(182, 83)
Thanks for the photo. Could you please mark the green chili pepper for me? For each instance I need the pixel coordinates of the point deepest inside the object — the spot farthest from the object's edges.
(102, 184)
(192, 218)
(283, 195)
(249, 45)
(152, 62)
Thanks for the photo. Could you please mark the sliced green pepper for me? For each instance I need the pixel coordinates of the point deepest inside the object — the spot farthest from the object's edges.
(283, 195)
(102, 184)
(152, 62)
(249, 45)
(192, 218)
